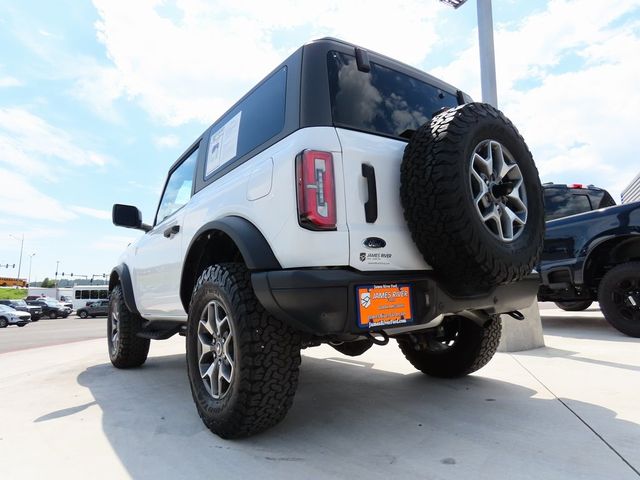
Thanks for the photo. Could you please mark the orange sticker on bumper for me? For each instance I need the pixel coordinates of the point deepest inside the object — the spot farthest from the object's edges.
(384, 305)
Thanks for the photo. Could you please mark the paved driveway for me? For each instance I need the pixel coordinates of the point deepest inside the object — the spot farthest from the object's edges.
(569, 410)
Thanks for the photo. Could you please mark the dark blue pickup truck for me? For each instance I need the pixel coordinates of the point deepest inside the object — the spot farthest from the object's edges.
(592, 253)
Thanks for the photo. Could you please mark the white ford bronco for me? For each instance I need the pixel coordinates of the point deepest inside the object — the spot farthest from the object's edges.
(347, 199)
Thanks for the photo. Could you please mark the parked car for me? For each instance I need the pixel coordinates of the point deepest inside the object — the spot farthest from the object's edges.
(97, 307)
(592, 254)
(347, 199)
(562, 200)
(51, 309)
(35, 311)
(66, 301)
(11, 316)
(31, 298)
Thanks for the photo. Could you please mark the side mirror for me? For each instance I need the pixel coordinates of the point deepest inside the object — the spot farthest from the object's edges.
(128, 216)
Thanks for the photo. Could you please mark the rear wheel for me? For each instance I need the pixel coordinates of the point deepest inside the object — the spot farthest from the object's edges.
(126, 349)
(574, 306)
(456, 348)
(619, 297)
(242, 362)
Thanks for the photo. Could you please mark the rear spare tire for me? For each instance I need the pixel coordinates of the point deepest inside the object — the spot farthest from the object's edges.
(472, 197)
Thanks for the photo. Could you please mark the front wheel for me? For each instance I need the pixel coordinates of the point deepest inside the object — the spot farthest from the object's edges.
(83, 314)
(53, 316)
(577, 306)
(242, 362)
(126, 349)
(619, 297)
(456, 348)
(3, 323)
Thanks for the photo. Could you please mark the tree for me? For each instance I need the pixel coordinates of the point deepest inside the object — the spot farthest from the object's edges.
(47, 283)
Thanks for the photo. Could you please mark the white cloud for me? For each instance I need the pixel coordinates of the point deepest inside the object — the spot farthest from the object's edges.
(568, 78)
(9, 81)
(19, 198)
(166, 141)
(31, 145)
(98, 87)
(91, 212)
(195, 61)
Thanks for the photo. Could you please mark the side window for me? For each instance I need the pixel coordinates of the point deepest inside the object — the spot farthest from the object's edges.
(178, 190)
(104, 294)
(85, 294)
(78, 294)
(258, 118)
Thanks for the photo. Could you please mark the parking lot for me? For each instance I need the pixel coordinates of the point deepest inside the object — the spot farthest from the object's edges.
(51, 332)
(569, 410)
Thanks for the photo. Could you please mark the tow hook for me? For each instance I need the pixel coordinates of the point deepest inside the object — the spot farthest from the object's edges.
(516, 314)
(376, 340)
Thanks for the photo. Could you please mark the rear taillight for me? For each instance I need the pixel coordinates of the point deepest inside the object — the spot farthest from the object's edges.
(316, 190)
(576, 185)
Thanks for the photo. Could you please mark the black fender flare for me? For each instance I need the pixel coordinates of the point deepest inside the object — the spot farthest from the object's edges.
(120, 274)
(619, 241)
(254, 248)
(250, 242)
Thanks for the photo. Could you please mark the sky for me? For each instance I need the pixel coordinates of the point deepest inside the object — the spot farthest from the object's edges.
(98, 98)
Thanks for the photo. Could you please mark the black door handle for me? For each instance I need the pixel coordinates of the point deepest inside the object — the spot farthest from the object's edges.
(371, 205)
(171, 231)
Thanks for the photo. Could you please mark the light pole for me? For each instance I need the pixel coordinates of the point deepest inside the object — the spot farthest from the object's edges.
(487, 53)
(30, 260)
(56, 279)
(21, 240)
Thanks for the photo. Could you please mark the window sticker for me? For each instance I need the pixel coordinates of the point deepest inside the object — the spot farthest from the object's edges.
(223, 145)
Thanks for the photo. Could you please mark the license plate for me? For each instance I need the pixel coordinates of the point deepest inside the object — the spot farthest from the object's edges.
(384, 305)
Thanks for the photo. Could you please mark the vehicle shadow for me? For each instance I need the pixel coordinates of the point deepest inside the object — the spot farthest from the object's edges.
(350, 419)
(583, 326)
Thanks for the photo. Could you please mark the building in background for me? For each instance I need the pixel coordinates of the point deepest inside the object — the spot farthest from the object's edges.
(632, 192)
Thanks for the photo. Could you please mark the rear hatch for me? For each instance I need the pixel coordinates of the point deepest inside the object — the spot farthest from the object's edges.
(374, 113)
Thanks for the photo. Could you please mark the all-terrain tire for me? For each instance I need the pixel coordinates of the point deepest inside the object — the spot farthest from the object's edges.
(438, 202)
(473, 348)
(128, 350)
(266, 356)
(614, 291)
(354, 349)
(577, 306)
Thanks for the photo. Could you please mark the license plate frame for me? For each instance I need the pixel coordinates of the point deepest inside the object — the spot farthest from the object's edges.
(386, 305)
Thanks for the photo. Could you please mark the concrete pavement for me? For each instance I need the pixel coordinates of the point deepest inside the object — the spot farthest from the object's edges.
(51, 332)
(569, 410)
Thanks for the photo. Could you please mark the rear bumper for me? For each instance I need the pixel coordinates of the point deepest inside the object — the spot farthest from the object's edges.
(323, 302)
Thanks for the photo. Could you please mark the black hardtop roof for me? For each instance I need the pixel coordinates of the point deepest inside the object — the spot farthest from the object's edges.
(396, 64)
(329, 42)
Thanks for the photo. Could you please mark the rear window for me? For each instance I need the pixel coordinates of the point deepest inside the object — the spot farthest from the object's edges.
(382, 101)
(560, 203)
